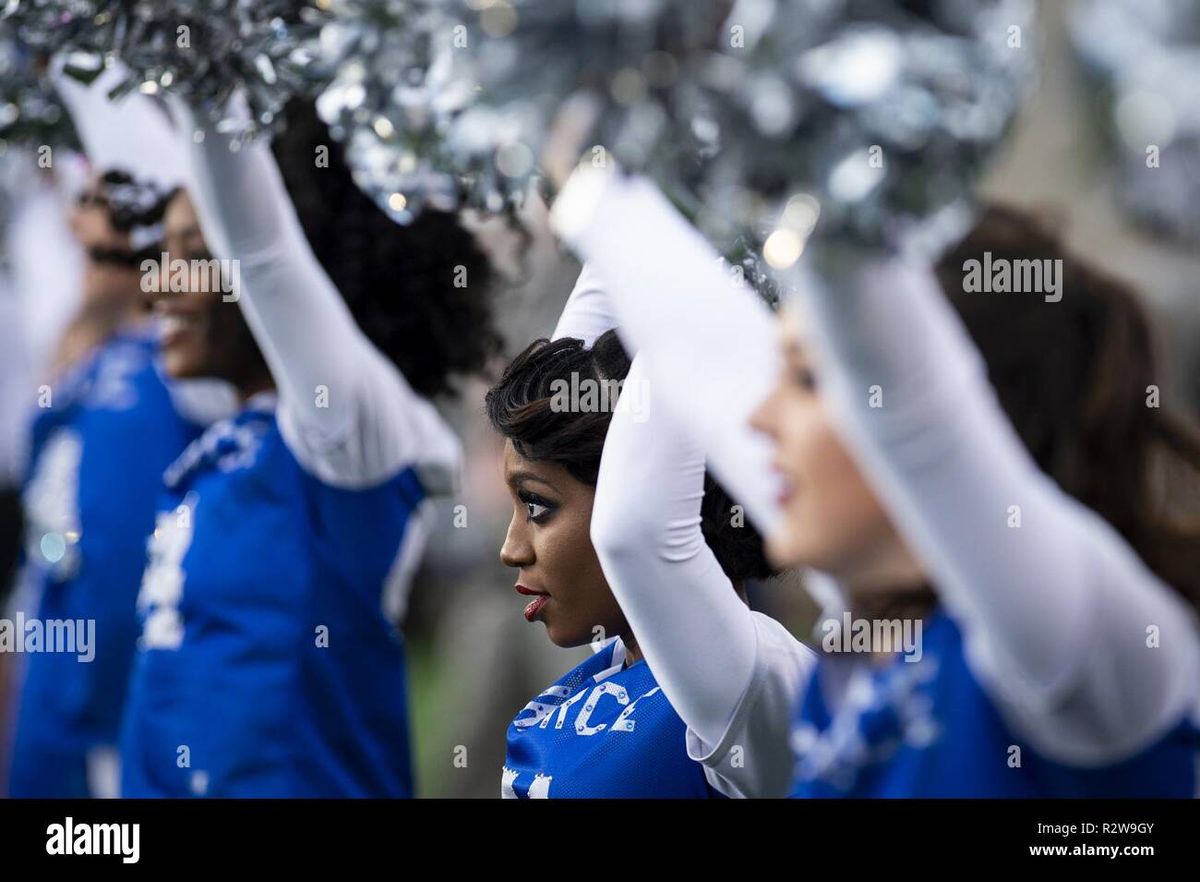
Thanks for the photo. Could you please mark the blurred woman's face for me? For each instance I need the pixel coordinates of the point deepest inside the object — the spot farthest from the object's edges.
(105, 283)
(548, 542)
(832, 519)
(201, 334)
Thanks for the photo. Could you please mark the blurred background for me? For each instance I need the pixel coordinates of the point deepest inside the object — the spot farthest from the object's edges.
(474, 660)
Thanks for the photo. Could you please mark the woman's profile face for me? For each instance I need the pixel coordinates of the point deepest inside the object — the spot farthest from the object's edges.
(201, 334)
(548, 543)
(832, 519)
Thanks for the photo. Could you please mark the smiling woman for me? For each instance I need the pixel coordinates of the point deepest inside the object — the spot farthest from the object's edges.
(107, 426)
(200, 336)
(312, 501)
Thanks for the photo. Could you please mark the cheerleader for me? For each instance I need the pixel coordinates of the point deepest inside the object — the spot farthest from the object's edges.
(607, 728)
(730, 673)
(270, 664)
(1058, 655)
(106, 429)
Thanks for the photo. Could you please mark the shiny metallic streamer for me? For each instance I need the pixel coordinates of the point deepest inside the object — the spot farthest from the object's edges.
(31, 113)
(1145, 57)
(767, 116)
(203, 50)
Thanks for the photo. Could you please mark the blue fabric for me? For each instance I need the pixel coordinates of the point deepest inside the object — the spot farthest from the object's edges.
(267, 666)
(95, 478)
(601, 731)
(929, 729)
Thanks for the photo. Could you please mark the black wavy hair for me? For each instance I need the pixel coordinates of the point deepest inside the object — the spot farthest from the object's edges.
(398, 280)
(519, 408)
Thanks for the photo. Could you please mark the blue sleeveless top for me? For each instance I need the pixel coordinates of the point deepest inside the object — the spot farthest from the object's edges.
(267, 667)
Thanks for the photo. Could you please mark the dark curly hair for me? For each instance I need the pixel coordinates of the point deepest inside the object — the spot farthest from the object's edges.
(398, 280)
(519, 408)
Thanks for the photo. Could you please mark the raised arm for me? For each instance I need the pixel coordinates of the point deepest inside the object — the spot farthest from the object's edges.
(731, 675)
(696, 634)
(1055, 606)
(346, 411)
(709, 342)
(588, 312)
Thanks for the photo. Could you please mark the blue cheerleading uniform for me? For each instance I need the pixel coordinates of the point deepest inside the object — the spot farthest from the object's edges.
(95, 476)
(602, 730)
(267, 666)
(270, 664)
(928, 728)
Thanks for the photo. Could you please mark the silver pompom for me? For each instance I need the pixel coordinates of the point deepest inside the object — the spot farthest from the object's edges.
(31, 113)
(526, 57)
(765, 116)
(391, 96)
(204, 50)
(866, 119)
(1146, 56)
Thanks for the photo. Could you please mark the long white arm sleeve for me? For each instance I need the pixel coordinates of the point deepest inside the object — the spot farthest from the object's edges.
(732, 675)
(588, 312)
(346, 411)
(130, 133)
(709, 341)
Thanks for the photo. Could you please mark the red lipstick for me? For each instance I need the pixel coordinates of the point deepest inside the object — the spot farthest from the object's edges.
(535, 605)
